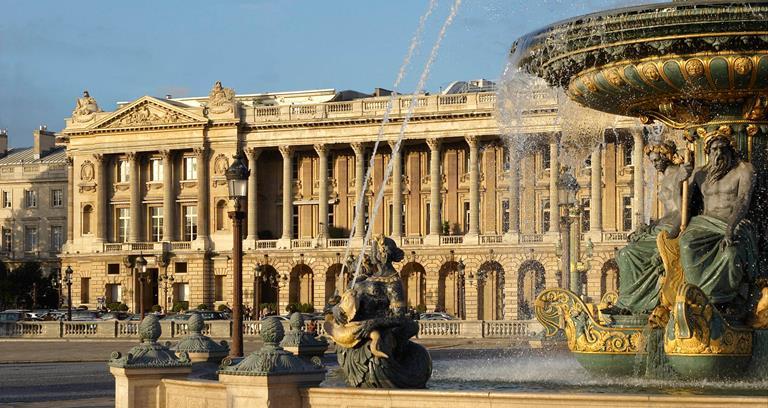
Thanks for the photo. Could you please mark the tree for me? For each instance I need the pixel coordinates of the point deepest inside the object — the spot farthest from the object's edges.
(26, 287)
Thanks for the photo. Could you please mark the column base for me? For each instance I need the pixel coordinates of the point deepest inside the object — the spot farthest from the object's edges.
(432, 240)
(595, 236)
(284, 243)
(201, 244)
(249, 243)
(551, 237)
(511, 238)
(471, 239)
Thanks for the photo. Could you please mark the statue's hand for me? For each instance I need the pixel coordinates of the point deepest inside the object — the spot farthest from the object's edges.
(727, 239)
(364, 330)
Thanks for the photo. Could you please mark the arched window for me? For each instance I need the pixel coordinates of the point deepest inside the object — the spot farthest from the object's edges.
(87, 214)
(221, 215)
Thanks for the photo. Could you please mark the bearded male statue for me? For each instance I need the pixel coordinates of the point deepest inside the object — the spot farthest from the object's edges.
(718, 249)
(640, 265)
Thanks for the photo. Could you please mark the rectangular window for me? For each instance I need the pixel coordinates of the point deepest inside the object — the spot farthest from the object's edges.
(85, 290)
(190, 168)
(7, 199)
(7, 239)
(295, 216)
(331, 163)
(123, 171)
(30, 198)
(57, 198)
(156, 213)
(181, 292)
(123, 224)
(546, 159)
(506, 163)
(389, 219)
(466, 161)
(626, 213)
(180, 267)
(585, 210)
(190, 223)
(30, 238)
(505, 216)
(113, 269)
(57, 237)
(114, 293)
(295, 164)
(466, 216)
(156, 169)
(218, 288)
(402, 219)
(426, 219)
(627, 147)
(545, 215)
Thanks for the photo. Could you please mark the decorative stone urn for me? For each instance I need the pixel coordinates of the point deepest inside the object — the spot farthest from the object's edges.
(301, 343)
(198, 347)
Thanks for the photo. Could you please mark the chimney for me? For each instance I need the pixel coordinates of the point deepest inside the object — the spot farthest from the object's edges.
(3, 142)
(44, 141)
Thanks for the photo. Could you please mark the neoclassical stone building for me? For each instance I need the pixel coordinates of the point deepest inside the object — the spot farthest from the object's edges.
(148, 179)
(33, 194)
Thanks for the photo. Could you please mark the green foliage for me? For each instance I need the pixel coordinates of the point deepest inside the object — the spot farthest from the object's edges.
(156, 308)
(25, 285)
(180, 306)
(300, 307)
(113, 306)
(203, 306)
(122, 307)
(421, 308)
(446, 227)
(223, 308)
(291, 308)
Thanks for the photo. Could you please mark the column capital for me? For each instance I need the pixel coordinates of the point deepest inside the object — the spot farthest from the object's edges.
(554, 138)
(99, 158)
(471, 140)
(433, 144)
(70, 161)
(358, 148)
(286, 151)
(253, 153)
(200, 151)
(321, 149)
(165, 154)
(130, 156)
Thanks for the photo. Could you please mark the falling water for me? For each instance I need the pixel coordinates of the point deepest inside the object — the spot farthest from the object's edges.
(396, 148)
(415, 41)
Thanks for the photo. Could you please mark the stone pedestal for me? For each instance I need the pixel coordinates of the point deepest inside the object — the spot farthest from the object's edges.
(143, 387)
(267, 391)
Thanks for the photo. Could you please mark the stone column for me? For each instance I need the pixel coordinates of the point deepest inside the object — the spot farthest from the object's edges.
(596, 198)
(638, 178)
(102, 197)
(435, 181)
(322, 196)
(253, 195)
(287, 153)
(359, 150)
(70, 199)
(514, 193)
(203, 212)
(134, 232)
(554, 173)
(474, 188)
(169, 197)
(397, 192)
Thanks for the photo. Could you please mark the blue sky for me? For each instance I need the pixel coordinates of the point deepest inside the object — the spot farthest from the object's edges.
(51, 50)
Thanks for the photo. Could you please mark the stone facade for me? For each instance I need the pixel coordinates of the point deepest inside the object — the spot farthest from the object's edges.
(33, 201)
(148, 178)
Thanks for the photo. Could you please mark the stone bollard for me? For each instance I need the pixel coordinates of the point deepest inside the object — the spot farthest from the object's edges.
(200, 348)
(301, 343)
(270, 377)
(139, 374)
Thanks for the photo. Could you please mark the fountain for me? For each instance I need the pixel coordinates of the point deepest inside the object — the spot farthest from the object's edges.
(700, 67)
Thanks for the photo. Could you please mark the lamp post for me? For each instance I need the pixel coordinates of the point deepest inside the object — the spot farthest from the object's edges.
(567, 189)
(68, 281)
(140, 264)
(258, 273)
(165, 279)
(237, 182)
(460, 268)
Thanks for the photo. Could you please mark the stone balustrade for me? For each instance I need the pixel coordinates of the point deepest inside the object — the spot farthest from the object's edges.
(251, 328)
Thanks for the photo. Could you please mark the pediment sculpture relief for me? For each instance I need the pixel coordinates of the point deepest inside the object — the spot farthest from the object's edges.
(143, 115)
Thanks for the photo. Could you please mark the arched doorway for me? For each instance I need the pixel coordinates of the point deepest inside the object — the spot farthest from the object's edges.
(450, 298)
(414, 279)
(333, 281)
(530, 282)
(609, 277)
(301, 285)
(267, 291)
(490, 291)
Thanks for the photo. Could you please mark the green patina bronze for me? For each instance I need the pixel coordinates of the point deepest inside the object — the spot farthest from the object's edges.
(197, 342)
(150, 353)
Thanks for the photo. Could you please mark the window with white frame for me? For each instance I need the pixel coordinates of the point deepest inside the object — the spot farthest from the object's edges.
(7, 239)
(190, 223)
(505, 216)
(123, 224)
(114, 293)
(156, 169)
(7, 203)
(585, 211)
(123, 171)
(546, 158)
(466, 216)
(30, 238)
(30, 198)
(156, 215)
(190, 168)
(57, 237)
(545, 215)
(181, 292)
(627, 147)
(57, 198)
(626, 213)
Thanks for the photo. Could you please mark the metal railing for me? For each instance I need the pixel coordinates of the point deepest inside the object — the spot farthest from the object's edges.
(615, 236)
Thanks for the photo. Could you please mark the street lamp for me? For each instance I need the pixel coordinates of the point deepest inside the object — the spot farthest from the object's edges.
(141, 269)
(237, 182)
(567, 189)
(258, 273)
(460, 269)
(165, 279)
(68, 282)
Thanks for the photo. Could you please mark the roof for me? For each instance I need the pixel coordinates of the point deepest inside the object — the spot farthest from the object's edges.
(26, 155)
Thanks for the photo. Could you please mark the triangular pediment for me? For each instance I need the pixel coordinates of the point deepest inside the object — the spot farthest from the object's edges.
(148, 111)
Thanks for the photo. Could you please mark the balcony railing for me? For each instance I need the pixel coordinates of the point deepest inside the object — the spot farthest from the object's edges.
(301, 243)
(413, 241)
(491, 239)
(531, 238)
(373, 107)
(338, 242)
(615, 236)
(451, 239)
